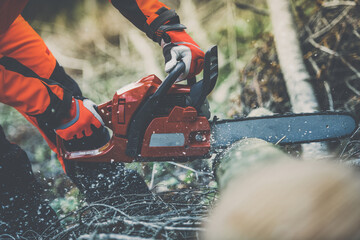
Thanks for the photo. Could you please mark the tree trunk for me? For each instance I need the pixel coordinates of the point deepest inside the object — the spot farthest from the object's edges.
(297, 79)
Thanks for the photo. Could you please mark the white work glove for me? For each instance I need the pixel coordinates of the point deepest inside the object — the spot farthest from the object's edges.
(182, 47)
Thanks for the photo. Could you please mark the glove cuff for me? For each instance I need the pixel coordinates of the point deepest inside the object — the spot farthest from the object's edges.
(72, 116)
(167, 20)
(55, 112)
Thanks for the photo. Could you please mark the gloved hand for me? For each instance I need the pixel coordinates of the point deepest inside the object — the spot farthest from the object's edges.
(78, 124)
(179, 45)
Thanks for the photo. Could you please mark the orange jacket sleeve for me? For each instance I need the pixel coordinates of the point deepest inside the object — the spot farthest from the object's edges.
(25, 68)
(147, 15)
(9, 10)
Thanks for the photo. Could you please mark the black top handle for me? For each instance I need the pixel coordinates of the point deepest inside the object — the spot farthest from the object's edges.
(169, 80)
(145, 114)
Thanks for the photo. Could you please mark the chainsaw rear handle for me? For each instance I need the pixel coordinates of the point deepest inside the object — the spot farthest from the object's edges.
(145, 114)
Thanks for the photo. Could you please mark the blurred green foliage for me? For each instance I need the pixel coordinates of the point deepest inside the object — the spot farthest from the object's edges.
(304, 9)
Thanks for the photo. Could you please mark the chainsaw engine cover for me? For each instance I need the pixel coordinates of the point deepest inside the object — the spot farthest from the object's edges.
(172, 118)
(128, 99)
(181, 135)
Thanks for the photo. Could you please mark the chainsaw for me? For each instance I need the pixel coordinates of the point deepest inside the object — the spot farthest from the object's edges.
(154, 120)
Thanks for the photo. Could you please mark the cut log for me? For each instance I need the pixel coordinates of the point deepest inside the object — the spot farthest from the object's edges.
(245, 155)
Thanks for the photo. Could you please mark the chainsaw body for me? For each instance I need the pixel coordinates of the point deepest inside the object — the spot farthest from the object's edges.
(142, 114)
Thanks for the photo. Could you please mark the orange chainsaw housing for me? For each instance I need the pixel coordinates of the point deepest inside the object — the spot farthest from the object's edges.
(117, 115)
(153, 120)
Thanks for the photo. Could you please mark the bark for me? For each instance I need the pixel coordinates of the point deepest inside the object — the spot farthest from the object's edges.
(297, 79)
(246, 155)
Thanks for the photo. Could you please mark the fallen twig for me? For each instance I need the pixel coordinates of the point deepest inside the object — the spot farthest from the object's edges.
(323, 48)
(350, 66)
(113, 236)
(330, 25)
(173, 214)
(354, 90)
(338, 4)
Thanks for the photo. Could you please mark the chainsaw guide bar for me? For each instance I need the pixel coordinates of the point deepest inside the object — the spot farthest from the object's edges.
(284, 129)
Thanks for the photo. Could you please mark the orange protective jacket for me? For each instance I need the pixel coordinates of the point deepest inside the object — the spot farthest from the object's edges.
(27, 65)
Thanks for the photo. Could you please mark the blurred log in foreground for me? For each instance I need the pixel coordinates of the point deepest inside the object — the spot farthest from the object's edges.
(266, 194)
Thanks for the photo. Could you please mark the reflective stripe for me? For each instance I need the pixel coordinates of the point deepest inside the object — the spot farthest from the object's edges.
(74, 120)
(167, 140)
(90, 105)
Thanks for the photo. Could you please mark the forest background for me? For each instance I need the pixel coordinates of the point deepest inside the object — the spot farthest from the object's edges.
(103, 52)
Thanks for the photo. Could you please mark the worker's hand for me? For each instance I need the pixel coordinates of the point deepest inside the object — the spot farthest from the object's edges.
(78, 124)
(179, 45)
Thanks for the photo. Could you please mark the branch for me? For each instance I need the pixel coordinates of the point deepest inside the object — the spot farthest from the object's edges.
(338, 4)
(323, 48)
(347, 81)
(356, 34)
(252, 8)
(7, 236)
(110, 236)
(331, 25)
(350, 66)
(330, 98)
